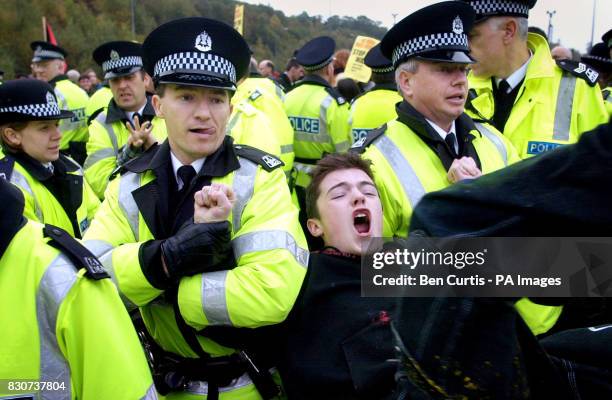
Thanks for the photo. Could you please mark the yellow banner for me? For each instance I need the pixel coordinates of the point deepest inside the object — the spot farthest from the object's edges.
(239, 18)
(355, 68)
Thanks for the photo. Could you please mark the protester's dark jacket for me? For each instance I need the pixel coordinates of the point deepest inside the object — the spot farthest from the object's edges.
(337, 343)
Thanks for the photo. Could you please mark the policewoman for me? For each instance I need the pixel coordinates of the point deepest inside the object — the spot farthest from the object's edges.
(432, 143)
(186, 278)
(52, 183)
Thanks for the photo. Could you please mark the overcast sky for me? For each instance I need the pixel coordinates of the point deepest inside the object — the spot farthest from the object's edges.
(571, 23)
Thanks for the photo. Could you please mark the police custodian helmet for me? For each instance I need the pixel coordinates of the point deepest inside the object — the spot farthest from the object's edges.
(434, 33)
(196, 51)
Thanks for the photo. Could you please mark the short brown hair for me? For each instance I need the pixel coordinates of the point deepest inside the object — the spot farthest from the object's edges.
(327, 165)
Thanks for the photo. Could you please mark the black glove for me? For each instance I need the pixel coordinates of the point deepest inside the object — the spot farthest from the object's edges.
(197, 248)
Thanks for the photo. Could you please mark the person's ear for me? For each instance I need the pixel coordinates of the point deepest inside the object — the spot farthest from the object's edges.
(157, 105)
(314, 227)
(13, 137)
(510, 29)
(405, 83)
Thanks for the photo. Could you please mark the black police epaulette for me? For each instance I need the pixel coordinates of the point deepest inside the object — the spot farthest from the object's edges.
(255, 95)
(266, 160)
(80, 256)
(336, 95)
(6, 167)
(606, 93)
(361, 145)
(581, 70)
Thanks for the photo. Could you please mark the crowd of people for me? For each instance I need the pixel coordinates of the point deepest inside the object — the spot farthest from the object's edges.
(193, 226)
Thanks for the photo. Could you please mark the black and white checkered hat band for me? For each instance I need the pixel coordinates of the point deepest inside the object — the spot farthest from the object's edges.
(318, 66)
(48, 54)
(437, 41)
(123, 62)
(484, 7)
(196, 63)
(382, 70)
(596, 58)
(36, 110)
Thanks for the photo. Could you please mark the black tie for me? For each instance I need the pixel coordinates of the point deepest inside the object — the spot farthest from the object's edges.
(186, 173)
(503, 88)
(450, 141)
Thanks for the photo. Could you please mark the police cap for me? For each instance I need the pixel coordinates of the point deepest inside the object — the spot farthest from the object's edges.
(47, 51)
(598, 58)
(118, 58)
(29, 100)
(377, 61)
(317, 53)
(435, 33)
(196, 51)
(607, 38)
(498, 8)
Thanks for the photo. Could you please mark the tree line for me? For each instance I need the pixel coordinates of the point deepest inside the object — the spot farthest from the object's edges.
(81, 25)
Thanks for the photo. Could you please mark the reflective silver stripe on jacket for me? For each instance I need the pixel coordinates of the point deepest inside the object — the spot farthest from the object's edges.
(404, 172)
(323, 113)
(496, 140)
(269, 240)
(103, 251)
(312, 137)
(214, 302)
(151, 393)
(304, 168)
(56, 282)
(201, 388)
(343, 146)
(20, 180)
(101, 118)
(99, 155)
(279, 92)
(232, 123)
(286, 148)
(243, 185)
(127, 184)
(563, 112)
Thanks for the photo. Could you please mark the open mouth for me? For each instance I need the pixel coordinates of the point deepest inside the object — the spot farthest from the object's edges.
(361, 221)
(456, 99)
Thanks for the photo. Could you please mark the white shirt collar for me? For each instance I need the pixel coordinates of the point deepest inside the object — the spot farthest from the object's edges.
(517, 76)
(443, 133)
(130, 114)
(176, 164)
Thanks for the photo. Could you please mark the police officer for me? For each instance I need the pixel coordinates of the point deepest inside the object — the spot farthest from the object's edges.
(599, 59)
(50, 287)
(318, 113)
(537, 104)
(266, 96)
(48, 65)
(377, 105)
(53, 184)
(244, 270)
(127, 126)
(432, 143)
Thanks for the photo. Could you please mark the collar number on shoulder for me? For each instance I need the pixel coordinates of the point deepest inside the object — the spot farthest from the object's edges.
(270, 161)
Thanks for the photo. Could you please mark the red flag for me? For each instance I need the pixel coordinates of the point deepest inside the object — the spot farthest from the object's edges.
(49, 36)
